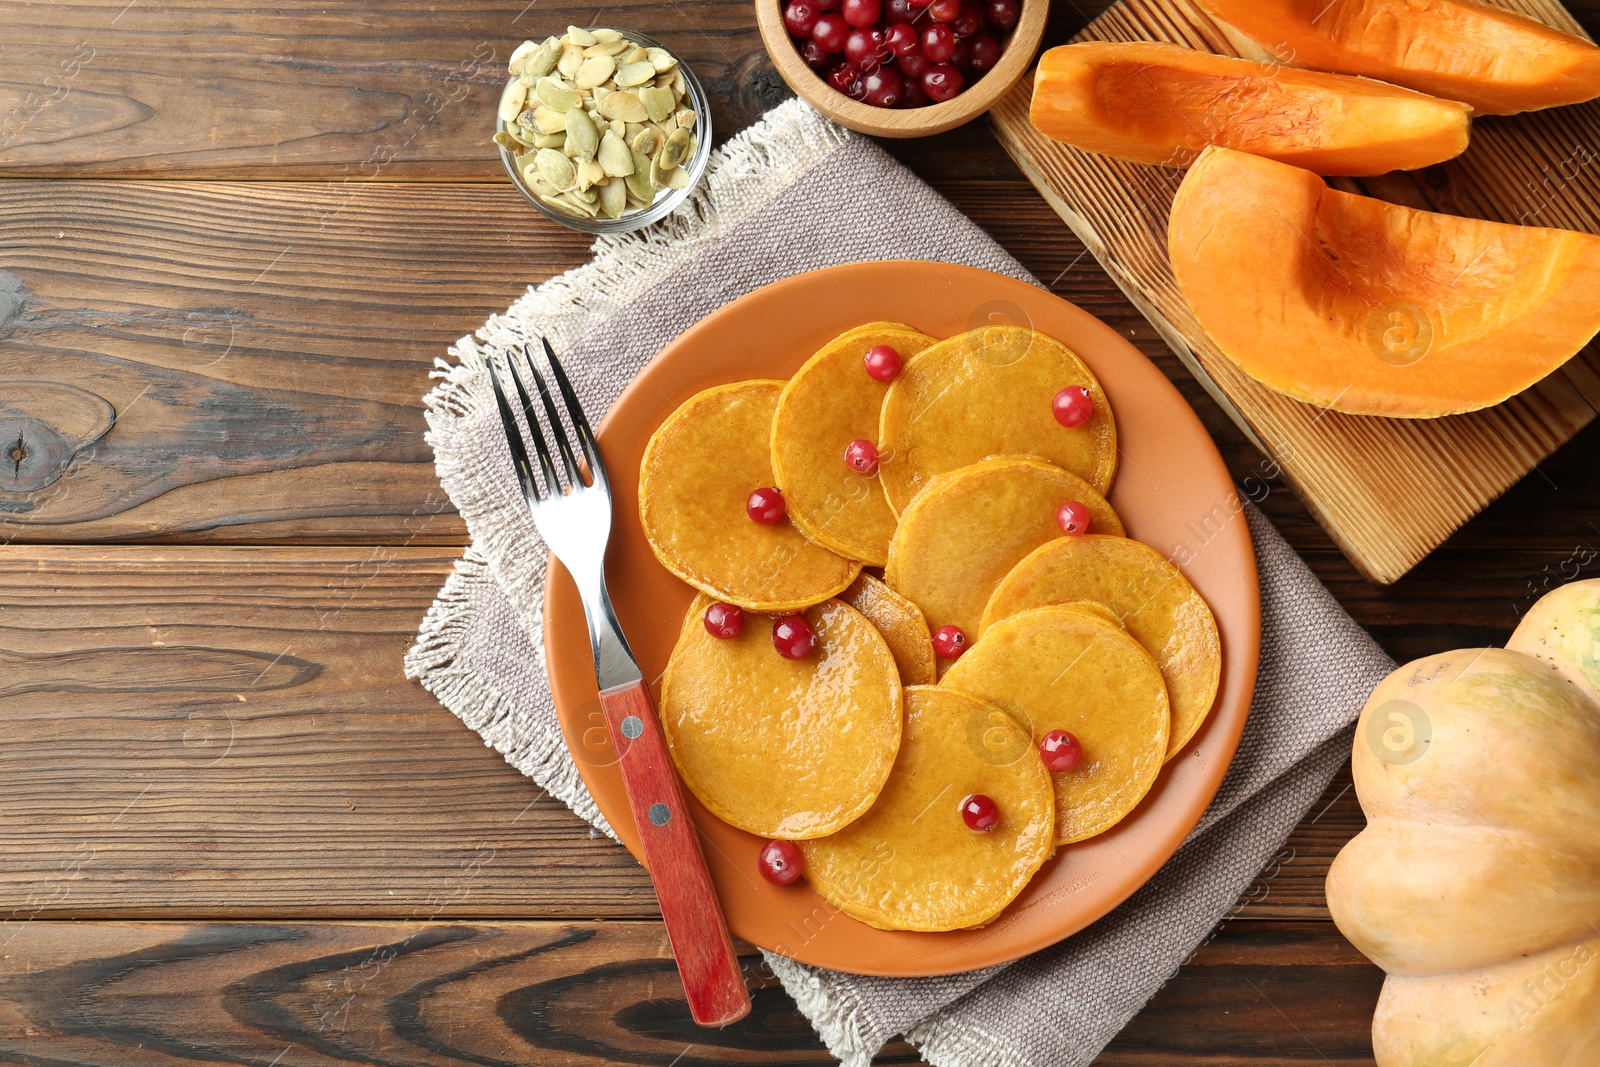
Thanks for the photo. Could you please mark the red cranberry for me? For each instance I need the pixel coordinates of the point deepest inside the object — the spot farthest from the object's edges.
(901, 37)
(884, 88)
(920, 3)
(766, 506)
(724, 620)
(1073, 406)
(1073, 518)
(1003, 13)
(949, 642)
(1060, 751)
(864, 49)
(914, 96)
(899, 11)
(793, 637)
(816, 58)
(800, 17)
(846, 79)
(860, 12)
(883, 362)
(938, 43)
(942, 82)
(980, 813)
(914, 66)
(830, 32)
(944, 10)
(959, 54)
(780, 862)
(983, 52)
(969, 22)
(827, 5)
(861, 456)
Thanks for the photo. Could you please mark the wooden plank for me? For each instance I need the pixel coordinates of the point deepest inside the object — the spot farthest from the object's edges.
(1388, 491)
(299, 89)
(568, 995)
(224, 731)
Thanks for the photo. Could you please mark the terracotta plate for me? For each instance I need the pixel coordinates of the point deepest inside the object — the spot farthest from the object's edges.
(1172, 490)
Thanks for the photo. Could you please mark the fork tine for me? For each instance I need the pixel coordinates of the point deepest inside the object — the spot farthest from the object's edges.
(519, 450)
(591, 449)
(557, 430)
(539, 446)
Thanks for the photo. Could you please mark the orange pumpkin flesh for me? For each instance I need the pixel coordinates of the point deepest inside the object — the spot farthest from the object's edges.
(1368, 308)
(1162, 104)
(1497, 61)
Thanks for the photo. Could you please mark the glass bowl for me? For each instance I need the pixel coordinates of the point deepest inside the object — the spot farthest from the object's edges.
(667, 200)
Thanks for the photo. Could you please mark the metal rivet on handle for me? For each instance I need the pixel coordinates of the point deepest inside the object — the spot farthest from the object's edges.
(632, 727)
(659, 814)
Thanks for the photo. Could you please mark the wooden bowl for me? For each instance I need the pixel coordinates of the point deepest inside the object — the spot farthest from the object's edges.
(910, 122)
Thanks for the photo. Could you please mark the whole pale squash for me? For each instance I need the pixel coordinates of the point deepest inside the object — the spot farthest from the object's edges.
(1476, 884)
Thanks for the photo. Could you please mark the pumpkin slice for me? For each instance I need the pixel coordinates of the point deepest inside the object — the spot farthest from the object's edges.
(1062, 668)
(1146, 594)
(698, 470)
(780, 747)
(986, 393)
(911, 863)
(1159, 103)
(1369, 308)
(830, 402)
(901, 624)
(962, 535)
(1496, 60)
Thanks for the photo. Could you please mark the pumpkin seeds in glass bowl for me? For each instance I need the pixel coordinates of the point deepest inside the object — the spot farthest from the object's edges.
(602, 129)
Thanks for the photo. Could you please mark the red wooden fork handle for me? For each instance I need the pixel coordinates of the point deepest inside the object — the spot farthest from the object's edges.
(689, 906)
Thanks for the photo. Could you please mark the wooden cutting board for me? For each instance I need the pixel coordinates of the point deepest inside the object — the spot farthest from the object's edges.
(1388, 490)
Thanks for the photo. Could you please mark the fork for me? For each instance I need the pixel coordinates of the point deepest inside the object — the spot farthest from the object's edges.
(574, 518)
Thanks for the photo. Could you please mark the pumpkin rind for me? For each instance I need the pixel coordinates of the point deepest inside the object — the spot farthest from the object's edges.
(1498, 61)
(1158, 103)
(1476, 884)
(1369, 308)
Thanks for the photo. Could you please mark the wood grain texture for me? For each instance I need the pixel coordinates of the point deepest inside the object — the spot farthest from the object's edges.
(568, 995)
(1388, 491)
(210, 731)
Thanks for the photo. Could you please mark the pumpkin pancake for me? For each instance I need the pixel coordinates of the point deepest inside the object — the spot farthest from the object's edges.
(697, 472)
(966, 531)
(989, 393)
(901, 624)
(1151, 598)
(911, 863)
(830, 402)
(1064, 668)
(780, 747)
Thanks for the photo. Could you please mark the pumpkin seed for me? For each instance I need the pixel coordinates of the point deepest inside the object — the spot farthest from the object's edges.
(614, 199)
(550, 140)
(685, 119)
(579, 35)
(614, 155)
(676, 151)
(594, 71)
(560, 205)
(639, 183)
(549, 120)
(607, 34)
(658, 103)
(512, 98)
(506, 141)
(619, 128)
(649, 141)
(624, 105)
(631, 74)
(590, 172)
(555, 168)
(678, 179)
(571, 59)
(554, 92)
(538, 60)
(679, 84)
(582, 136)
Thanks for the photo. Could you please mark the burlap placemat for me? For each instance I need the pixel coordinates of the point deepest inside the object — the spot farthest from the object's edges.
(791, 194)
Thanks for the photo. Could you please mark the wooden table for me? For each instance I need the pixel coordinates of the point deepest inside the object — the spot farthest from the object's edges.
(230, 830)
